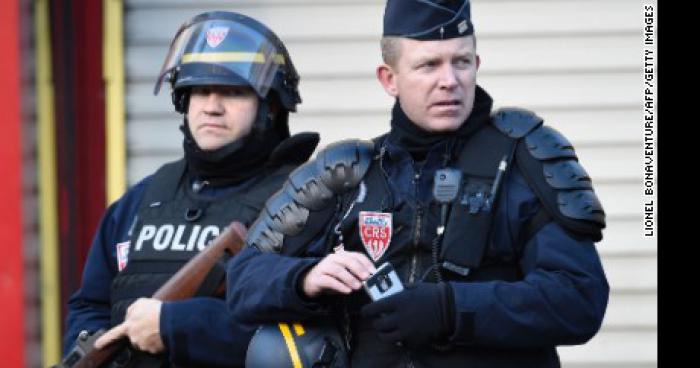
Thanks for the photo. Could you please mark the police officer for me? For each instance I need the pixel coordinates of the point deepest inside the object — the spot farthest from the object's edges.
(487, 218)
(235, 84)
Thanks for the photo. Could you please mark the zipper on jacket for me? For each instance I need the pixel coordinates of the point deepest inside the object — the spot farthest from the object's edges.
(417, 230)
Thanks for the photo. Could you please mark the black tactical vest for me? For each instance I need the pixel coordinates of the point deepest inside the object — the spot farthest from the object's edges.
(174, 223)
(415, 248)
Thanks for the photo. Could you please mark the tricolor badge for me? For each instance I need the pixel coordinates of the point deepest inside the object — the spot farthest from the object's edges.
(375, 232)
(216, 35)
(122, 255)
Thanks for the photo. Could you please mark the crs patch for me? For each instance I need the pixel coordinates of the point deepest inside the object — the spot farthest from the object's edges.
(216, 35)
(375, 232)
(122, 255)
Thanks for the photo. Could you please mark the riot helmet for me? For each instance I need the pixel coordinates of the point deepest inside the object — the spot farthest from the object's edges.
(295, 345)
(230, 49)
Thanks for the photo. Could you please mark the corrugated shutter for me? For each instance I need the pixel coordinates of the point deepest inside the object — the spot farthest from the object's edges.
(577, 63)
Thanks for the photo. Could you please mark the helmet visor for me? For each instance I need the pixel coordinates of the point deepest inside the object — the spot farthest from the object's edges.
(233, 46)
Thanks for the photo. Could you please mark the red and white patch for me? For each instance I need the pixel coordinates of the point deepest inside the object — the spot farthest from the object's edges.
(122, 255)
(216, 35)
(375, 232)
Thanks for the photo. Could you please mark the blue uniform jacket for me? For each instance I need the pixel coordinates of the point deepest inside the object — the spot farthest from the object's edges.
(560, 300)
(206, 321)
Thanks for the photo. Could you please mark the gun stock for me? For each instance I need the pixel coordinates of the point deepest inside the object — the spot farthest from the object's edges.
(182, 285)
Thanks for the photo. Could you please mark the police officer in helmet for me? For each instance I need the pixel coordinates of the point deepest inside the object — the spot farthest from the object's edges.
(487, 218)
(235, 84)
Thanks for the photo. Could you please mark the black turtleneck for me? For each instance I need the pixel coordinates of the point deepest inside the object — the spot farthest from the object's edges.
(418, 141)
(236, 161)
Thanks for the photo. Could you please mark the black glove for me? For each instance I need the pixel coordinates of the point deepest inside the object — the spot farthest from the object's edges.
(421, 314)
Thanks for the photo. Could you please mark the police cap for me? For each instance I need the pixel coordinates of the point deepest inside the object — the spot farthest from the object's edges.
(428, 19)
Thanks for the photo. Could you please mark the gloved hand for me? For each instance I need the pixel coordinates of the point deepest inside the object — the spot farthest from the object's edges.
(421, 314)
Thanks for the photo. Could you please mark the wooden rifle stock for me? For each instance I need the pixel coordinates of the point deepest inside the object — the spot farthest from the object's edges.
(185, 283)
(182, 285)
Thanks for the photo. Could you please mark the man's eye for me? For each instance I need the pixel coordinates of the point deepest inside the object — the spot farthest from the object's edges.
(236, 92)
(463, 62)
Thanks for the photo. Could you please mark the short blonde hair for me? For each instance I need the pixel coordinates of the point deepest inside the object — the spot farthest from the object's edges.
(391, 49)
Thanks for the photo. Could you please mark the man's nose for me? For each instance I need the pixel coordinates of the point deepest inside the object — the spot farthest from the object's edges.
(448, 77)
(213, 103)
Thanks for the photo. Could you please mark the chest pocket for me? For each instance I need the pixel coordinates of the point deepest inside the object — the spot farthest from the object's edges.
(468, 227)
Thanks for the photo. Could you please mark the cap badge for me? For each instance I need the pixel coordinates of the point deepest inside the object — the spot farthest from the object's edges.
(462, 27)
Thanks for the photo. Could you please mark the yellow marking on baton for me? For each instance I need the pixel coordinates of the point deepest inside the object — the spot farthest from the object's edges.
(299, 329)
(291, 346)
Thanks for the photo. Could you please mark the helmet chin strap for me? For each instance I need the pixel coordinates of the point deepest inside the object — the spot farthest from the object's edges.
(181, 100)
(264, 119)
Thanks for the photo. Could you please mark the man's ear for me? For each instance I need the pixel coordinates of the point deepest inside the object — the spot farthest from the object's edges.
(387, 77)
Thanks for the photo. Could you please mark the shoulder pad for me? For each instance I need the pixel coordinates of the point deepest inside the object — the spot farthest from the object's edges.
(515, 122)
(311, 187)
(546, 143)
(566, 174)
(343, 164)
(295, 150)
(307, 188)
(549, 163)
(581, 205)
(262, 235)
